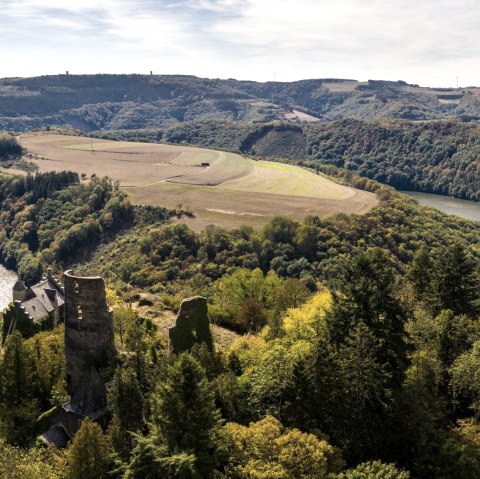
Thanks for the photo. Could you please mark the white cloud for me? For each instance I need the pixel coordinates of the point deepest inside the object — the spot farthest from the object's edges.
(421, 41)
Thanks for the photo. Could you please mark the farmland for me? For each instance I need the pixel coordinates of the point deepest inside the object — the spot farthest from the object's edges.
(218, 187)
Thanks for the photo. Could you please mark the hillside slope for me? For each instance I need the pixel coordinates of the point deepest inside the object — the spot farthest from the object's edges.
(440, 157)
(99, 102)
(218, 187)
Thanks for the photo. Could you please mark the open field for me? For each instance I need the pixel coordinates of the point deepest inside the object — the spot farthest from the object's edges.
(284, 179)
(230, 191)
(133, 164)
(297, 115)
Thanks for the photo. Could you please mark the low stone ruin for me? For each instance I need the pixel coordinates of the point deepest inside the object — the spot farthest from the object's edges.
(192, 325)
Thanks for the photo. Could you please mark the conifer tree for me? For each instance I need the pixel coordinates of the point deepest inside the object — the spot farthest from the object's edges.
(18, 403)
(184, 413)
(420, 273)
(456, 284)
(88, 455)
(183, 429)
(364, 394)
(365, 292)
(126, 399)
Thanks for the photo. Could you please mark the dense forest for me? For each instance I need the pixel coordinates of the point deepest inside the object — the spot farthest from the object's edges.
(101, 102)
(358, 357)
(357, 338)
(373, 377)
(53, 218)
(433, 157)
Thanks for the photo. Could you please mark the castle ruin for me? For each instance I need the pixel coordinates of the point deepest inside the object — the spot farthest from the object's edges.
(89, 355)
(89, 338)
(192, 325)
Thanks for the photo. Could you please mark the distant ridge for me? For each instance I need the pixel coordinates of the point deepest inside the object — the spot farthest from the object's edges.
(113, 102)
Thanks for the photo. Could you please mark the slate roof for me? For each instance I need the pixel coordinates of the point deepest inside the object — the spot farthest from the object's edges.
(43, 298)
(90, 398)
(19, 285)
(57, 435)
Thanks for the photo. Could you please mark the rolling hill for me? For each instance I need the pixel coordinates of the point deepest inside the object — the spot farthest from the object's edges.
(112, 102)
(218, 187)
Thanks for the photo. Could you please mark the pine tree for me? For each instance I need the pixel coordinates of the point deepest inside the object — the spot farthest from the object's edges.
(18, 403)
(126, 399)
(88, 456)
(183, 409)
(365, 293)
(184, 426)
(456, 284)
(420, 273)
(364, 394)
(118, 443)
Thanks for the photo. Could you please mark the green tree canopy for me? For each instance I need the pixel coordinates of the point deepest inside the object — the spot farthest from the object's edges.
(88, 455)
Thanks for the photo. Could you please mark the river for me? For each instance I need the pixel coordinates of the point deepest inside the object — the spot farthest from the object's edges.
(452, 206)
(7, 280)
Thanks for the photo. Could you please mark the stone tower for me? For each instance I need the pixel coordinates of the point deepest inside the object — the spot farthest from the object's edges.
(88, 328)
(19, 292)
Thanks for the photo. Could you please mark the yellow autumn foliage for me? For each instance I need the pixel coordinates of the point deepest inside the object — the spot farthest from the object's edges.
(304, 322)
(267, 450)
(19, 463)
(248, 349)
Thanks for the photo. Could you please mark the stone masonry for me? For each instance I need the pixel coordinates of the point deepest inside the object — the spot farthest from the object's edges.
(89, 341)
(192, 325)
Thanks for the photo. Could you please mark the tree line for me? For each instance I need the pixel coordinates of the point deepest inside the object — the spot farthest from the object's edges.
(438, 157)
(373, 376)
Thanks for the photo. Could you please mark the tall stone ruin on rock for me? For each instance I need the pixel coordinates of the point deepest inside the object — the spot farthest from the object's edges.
(89, 356)
(89, 341)
(192, 325)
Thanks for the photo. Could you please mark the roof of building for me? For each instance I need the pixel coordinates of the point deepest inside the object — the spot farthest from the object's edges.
(57, 435)
(19, 285)
(43, 298)
(35, 309)
(90, 398)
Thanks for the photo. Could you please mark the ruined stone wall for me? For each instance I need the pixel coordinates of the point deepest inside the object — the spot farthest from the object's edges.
(88, 328)
(192, 325)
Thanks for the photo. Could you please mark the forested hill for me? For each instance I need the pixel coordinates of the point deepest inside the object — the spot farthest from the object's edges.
(434, 157)
(94, 102)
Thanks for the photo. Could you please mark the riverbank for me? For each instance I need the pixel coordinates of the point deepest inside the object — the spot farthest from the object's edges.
(7, 280)
(469, 210)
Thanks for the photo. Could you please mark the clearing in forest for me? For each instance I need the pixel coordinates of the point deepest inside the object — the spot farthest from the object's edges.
(218, 187)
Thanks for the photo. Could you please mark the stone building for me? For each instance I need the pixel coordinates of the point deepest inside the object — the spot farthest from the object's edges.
(89, 355)
(38, 307)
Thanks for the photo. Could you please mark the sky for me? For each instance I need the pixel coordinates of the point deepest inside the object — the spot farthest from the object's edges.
(427, 42)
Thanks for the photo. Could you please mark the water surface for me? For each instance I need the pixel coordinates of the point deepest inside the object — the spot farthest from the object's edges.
(452, 206)
(7, 280)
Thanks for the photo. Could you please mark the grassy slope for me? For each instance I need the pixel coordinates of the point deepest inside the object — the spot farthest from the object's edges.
(246, 191)
(283, 179)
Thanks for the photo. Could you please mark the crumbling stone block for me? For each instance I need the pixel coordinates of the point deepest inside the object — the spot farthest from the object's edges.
(192, 325)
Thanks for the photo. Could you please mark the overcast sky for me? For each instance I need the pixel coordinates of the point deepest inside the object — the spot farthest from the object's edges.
(428, 42)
